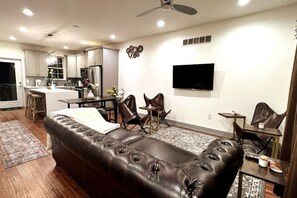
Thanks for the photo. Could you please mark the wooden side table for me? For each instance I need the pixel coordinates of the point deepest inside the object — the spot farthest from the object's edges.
(234, 116)
(251, 167)
(150, 109)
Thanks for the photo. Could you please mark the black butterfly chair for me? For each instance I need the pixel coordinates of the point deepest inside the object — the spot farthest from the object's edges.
(262, 114)
(128, 112)
(158, 101)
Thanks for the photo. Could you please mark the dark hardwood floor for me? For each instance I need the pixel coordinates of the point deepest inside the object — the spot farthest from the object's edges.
(41, 177)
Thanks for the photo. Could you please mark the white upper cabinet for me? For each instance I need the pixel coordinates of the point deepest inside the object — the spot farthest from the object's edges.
(82, 61)
(95, 57)
(72, 67)
(35, 63)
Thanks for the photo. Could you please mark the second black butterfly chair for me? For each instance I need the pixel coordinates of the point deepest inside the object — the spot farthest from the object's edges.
(128, 112)
(158, 102)
(262, 114)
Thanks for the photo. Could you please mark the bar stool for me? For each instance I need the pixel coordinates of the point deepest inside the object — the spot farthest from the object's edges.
(37, 105)
(28, 105)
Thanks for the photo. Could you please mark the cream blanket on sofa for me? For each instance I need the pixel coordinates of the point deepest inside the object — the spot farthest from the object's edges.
(89, 117)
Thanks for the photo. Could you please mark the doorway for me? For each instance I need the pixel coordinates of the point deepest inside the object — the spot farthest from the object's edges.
(11, 89)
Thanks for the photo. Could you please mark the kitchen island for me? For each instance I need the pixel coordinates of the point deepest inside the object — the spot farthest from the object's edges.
(51, 97)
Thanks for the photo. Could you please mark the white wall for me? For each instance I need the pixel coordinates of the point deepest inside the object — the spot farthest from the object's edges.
(253, 58)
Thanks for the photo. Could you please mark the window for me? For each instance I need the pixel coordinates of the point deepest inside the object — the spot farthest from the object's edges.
(57, 69)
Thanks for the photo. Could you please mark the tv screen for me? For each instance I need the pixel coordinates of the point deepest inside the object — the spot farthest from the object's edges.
(195, 76)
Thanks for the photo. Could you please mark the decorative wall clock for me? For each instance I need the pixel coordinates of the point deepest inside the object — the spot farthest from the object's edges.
(134, 51)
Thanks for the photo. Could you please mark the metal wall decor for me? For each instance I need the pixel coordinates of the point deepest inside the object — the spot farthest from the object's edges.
(134, 51)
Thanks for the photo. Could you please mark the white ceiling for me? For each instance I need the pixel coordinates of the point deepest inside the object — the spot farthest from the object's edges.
(98, 19)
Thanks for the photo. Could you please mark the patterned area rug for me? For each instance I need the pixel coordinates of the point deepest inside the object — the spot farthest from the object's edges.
(196, 142)
(18, 145)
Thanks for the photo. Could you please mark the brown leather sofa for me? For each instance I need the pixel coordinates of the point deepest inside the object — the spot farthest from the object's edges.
(127, 164)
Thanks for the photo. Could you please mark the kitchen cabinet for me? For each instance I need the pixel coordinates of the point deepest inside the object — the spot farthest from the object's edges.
(108, 58)
(95, 57)
(35, 63)
(81, 61)
(109, 68)
(72, 67)
(74, 63)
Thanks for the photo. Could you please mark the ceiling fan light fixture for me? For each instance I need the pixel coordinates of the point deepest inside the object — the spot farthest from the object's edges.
(169, 5)
(166, 7)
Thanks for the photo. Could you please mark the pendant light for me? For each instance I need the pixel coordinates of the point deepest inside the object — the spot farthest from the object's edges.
(51, 59)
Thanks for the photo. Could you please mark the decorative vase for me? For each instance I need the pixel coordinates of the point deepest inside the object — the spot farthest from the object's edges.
(90, 94)
(53, 85)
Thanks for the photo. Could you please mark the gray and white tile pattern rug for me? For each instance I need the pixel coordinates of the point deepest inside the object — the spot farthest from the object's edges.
(18, 145)
(196, 142)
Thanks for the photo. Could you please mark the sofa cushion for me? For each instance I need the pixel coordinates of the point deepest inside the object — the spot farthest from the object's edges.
(163, 151)
(125, 136)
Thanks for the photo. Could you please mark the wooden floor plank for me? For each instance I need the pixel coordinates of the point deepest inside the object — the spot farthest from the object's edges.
(29, 178)
(4, 185)
(17, 187)
(41, 177)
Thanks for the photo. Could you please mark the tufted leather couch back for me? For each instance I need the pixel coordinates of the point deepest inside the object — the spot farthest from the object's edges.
(127, 164)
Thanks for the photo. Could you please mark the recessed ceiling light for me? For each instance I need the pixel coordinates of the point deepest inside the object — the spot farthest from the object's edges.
(160, 23)
(12, 38)
(243, 2)
(112, 36)
(23, 29)
(66, 47)
(28, 12)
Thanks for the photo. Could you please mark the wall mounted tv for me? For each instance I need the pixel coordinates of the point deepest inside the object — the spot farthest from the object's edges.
(195, 76)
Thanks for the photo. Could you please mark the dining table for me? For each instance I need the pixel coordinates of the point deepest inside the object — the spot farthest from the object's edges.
(98, 99)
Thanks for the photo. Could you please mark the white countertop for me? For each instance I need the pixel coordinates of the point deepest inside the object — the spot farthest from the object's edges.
(45, 90)
(52, 97)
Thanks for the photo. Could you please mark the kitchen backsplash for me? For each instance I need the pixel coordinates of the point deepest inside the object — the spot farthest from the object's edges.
(30, 81)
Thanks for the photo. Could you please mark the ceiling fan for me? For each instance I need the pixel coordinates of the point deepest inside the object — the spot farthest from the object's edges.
(168, 4)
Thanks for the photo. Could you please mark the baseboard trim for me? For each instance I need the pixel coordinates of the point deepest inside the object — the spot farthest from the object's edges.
(205, 130)
(192, 127)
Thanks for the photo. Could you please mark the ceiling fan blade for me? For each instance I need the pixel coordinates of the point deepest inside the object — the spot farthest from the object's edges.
(184, 9)
(147, 12)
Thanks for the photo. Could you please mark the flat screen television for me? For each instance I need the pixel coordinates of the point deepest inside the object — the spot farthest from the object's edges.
(195, 76)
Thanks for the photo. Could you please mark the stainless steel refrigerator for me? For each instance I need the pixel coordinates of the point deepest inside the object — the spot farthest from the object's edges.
(95, 76)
